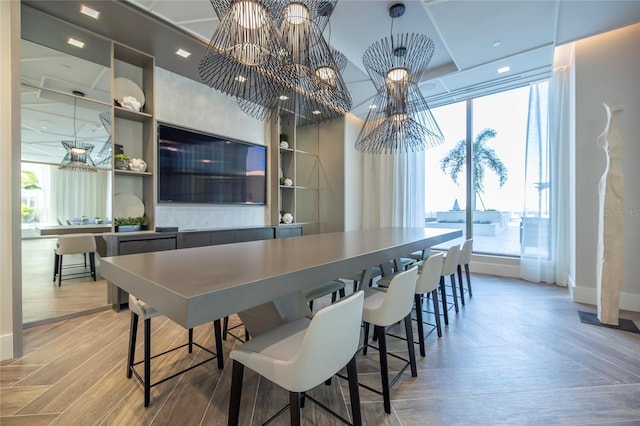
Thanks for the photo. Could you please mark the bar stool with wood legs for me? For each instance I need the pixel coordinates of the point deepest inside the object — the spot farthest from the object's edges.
(139, 309)
(449, 268)
(383, 309)
(301, 354)
(463, 260)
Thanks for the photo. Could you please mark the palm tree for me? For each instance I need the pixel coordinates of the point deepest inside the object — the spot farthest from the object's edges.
(483, 157)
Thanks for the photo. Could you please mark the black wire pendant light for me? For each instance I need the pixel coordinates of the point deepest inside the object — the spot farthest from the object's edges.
(401, 120)
(78, 157)
(289, 66)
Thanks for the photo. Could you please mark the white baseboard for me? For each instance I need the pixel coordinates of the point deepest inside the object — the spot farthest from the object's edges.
(589, 295)
(493, 265)
(6, 347)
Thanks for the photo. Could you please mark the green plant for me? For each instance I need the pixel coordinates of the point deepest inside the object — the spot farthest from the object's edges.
(125, 221)
(483, 157)
(26, 212)
(28, 180)
(121, 157)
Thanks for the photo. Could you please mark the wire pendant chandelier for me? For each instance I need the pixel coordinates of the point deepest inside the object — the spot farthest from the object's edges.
(401, 120)
(272, 55)
(78, 156)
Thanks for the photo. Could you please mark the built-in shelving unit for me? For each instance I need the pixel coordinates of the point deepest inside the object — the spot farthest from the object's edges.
(298, 162)
(134, 130)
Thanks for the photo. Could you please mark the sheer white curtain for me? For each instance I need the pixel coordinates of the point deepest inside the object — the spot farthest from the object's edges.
(393, 190)
(545, 221)
(74, 194)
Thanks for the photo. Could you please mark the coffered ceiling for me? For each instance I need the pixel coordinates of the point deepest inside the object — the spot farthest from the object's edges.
(473, 38)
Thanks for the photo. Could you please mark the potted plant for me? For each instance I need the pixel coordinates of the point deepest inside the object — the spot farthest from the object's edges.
(121, 161)
(127, 224)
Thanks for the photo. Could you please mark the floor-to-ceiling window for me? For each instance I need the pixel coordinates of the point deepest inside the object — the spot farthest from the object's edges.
(499, 124)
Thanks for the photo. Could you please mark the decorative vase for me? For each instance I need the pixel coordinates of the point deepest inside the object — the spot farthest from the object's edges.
(287, 218)
(137, 165)
(284, 144)
(288, 182)
(122, 164)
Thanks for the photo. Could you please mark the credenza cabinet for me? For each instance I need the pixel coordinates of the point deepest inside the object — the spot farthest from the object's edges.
(123, 243)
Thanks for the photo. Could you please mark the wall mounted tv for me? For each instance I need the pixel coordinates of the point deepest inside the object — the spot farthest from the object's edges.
(199, 168)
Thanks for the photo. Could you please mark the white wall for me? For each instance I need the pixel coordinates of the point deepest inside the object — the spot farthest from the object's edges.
(181, 101)
(352, 175)
(607, 68)
(10, 271)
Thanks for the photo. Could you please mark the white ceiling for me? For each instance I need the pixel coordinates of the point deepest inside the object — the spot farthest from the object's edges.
(464, 62)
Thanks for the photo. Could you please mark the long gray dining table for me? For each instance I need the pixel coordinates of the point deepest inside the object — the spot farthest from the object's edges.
(194, 286)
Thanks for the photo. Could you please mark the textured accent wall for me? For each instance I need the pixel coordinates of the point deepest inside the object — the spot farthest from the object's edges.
(194, 105)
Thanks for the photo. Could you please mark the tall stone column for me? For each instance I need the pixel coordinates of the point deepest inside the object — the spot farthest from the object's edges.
(610, 254)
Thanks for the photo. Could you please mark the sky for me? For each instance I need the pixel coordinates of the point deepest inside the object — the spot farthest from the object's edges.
(504, 112)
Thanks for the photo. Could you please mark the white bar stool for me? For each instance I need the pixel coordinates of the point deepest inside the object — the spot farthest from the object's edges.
(385, 308)
(139, 309)
(75, 244)
(449, 268)
(463, 260)
(301, 354)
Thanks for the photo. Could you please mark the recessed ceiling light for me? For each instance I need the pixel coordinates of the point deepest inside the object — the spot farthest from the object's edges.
(77, 43)
(89, 12)
(241, 79)
(183, 53)
(316, 112)
(283, 97)
(496, 43)
(504, 69)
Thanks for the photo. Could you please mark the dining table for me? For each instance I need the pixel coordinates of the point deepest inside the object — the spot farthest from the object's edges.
(263, 279)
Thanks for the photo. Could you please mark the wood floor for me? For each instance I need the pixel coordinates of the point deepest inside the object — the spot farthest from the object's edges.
(515, 354)
(42, 300)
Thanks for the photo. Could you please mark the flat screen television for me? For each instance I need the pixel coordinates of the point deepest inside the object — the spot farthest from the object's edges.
(199, 168)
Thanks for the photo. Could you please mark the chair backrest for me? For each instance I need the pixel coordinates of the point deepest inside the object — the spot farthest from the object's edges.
(331, 340)
(450, 265)
(76, 243)
(430, 275)
(398, 300)
(465, 252)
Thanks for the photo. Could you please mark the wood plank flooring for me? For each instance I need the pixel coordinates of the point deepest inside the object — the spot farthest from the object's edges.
(515, 354)
(42, 300)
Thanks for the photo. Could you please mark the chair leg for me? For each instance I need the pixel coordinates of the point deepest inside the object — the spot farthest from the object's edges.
(366, 338)
(454, 291)
(236, 393)
(191, 340)
(294, 408)
(92, 265)
(460, 284)
(408, 328)
(218, 336)
(418, 302)
(443, 292)
(354, 393)
(341, 293)
(436, 311)
(55, 266)
(59, 270)
(84, 255)
(466, 271)
(311, 305)
(334, 297)
(133, 332)
(225, 328)
(384, 367)
(147, 361)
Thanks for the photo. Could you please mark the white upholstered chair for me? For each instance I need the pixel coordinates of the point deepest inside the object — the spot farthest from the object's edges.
(449, 268)
(84, 244)
(301, 354)
(463, 261)
(383, 309)
(139, 309)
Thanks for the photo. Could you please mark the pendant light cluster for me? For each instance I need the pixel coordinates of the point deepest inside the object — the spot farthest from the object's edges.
(401, 120)
(272, 55)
